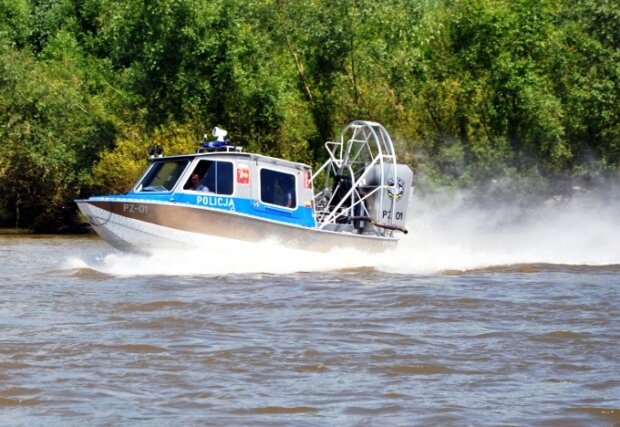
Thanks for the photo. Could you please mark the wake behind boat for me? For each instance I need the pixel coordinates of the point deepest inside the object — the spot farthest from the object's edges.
(222, 194)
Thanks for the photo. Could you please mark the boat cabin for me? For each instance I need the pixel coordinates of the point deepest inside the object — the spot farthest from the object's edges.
(239, 182)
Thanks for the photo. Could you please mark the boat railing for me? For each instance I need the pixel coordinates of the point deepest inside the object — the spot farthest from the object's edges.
(225, 149)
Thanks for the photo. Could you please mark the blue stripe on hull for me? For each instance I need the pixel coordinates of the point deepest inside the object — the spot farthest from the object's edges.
(301, 216)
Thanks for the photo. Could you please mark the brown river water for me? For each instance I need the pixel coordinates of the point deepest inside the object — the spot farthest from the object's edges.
(474, 320)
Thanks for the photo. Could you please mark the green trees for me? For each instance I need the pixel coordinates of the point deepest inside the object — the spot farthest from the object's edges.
(501, 87)
(51, 131)
(588, 82)
(471, 89)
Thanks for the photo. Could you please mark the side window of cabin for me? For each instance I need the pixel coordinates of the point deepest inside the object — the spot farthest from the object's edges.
(211, 176)
(162, 176)
(278, 188)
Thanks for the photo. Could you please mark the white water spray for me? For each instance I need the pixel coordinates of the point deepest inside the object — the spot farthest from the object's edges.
(445, 233)
(454, 234)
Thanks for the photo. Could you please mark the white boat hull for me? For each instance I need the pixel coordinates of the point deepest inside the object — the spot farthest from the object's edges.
(150, 226)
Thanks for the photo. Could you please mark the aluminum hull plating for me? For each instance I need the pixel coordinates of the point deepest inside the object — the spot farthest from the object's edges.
(164, 225)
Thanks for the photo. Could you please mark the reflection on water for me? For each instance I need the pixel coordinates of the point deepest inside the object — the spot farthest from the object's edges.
(91, 336)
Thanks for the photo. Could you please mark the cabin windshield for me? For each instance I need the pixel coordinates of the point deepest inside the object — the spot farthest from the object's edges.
(163, 176)
(211, 176)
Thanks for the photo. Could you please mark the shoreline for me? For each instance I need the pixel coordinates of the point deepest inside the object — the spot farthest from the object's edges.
(25, 232)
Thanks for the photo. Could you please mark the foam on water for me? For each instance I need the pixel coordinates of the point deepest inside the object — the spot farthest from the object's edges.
(446, 232)
(265, 257)
(458, 234)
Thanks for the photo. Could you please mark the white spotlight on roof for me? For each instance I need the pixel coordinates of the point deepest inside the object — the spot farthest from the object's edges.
(219, 133)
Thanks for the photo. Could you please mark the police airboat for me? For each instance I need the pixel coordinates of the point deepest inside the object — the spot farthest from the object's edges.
(221, 194)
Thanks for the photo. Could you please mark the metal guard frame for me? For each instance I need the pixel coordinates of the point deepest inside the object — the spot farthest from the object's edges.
(369, 145)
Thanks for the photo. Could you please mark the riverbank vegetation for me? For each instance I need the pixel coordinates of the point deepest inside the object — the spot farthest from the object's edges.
(472, 91)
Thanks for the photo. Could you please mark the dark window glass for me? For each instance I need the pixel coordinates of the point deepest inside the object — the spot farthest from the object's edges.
(163, 176)
(277, 188)
(212, 176)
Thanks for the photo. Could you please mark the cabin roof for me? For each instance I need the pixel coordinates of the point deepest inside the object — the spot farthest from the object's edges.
(234, 155)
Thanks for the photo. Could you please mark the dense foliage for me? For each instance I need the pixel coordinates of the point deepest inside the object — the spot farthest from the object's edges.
(472, 90)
